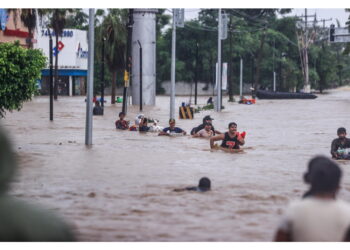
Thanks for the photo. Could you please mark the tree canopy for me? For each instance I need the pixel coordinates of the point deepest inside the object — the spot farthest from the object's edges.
(20, 69)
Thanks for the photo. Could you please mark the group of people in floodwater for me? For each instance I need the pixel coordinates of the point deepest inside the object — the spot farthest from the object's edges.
(318, 216)
(231, 139)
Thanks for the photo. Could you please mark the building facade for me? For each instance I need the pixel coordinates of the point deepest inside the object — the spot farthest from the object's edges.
(72, 51)
(11, 31)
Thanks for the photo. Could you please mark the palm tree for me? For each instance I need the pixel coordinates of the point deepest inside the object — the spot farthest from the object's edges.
(57, 23)
(113, 27)
(28, 18)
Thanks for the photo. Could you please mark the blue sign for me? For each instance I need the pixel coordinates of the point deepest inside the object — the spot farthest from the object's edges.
(3, 18)
(65, 33)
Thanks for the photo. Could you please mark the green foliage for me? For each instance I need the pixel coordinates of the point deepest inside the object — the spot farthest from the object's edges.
(253, 34)
(77, 20)
(20, 69)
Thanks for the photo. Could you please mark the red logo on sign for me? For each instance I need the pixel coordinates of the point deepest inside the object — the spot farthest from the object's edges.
(60, 46)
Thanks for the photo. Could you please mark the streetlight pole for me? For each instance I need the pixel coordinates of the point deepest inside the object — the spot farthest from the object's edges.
(140, 75)
(90, 89)
(51, 76)
(241, 79)
(273, 67)
(196, 76)
(103, 72)
(128, 60)
(173, 51)
(218, 76)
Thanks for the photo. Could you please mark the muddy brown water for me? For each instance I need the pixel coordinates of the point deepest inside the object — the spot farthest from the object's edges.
(120, 189)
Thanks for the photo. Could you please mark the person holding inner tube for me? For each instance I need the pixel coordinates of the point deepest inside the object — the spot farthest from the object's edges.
(206, 132)
(172, 129)
(341, 145)
(231, 139)
(206, 119)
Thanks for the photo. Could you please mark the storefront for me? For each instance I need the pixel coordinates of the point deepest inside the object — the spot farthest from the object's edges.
(72, 53)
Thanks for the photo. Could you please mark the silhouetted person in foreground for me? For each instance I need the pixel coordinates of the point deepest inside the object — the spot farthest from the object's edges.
(203, 186)
(19, 220)
(319, 215)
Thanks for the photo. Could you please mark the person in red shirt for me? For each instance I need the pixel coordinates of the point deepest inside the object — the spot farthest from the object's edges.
(121, 123)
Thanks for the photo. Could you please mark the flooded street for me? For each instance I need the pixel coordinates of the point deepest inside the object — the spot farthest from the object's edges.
(120, 189)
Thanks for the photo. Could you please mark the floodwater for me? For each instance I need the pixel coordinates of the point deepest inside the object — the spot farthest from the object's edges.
(120, 189)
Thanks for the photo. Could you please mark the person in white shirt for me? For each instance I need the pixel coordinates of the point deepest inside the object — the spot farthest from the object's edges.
(319, 216)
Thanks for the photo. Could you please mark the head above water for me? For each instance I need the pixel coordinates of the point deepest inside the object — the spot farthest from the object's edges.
(207, 125)
(204, 184)
(323, 175)
(231, 124)
(341, 132)
(207, 118)
(171, 122)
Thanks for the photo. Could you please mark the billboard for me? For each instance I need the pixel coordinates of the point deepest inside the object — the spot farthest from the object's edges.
(72, 47)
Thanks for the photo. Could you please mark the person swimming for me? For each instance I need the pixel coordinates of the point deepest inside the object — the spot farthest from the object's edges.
(203, 186)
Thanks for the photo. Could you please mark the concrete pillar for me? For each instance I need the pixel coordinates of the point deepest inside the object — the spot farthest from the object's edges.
(144, 30)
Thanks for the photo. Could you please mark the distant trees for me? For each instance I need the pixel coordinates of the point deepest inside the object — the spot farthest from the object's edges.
(264, 39)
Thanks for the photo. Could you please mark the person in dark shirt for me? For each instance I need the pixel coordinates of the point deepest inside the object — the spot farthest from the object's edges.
(121, 123)
(206, 119)
(98, 110)
(340, 144)
(210, 100)
(231, 139)
(203, 186)
(172, 129)
(143, 125)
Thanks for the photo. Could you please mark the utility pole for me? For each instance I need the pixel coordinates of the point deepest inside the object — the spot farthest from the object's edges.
(51, 75)
(103, 72)
(140, 74)
(90, 86)
(218, 75)
(196, 76)
(241, 79)
(173, 58)
(128, 60)
(306, 84)
(273, 66)
(178, 20)
(230, 67)
(303, 50)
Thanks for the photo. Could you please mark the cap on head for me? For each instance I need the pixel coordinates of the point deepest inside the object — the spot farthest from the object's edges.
(341, 131)
(204, 184)
(323, 175)
(206, 118)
